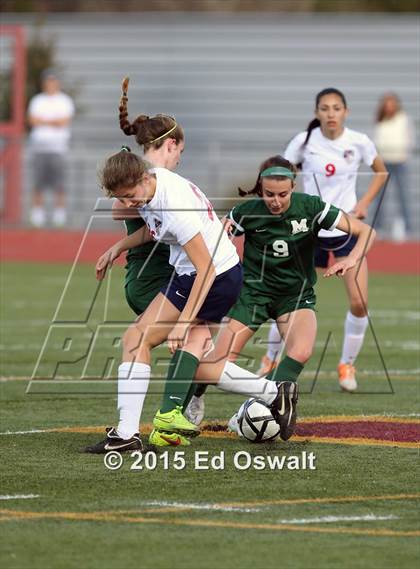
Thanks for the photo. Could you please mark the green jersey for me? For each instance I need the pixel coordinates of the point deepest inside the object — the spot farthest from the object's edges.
(147, 270)
(157, 254)
(279, 249)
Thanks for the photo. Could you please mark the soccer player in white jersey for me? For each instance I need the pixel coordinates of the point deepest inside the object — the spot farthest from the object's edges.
(329, 155)
(206, 283)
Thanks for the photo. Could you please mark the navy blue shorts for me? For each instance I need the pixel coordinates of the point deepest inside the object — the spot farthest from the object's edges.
(339, 246)
(220, 298)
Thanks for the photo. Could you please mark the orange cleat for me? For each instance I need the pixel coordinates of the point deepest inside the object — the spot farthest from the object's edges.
(266, 366)
(347, 377)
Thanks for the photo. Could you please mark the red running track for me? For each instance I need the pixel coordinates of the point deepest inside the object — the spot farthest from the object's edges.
(47, 246)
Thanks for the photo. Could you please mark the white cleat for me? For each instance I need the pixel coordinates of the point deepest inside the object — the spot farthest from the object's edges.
(347, 377)
(233, 425)
(195, 410)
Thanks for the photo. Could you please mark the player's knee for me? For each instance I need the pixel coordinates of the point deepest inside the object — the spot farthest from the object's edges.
(358, 308)
(130, 338)
(301, 353)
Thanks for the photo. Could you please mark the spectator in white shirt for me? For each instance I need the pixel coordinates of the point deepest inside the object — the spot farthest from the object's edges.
(49, 114)
(394, 140)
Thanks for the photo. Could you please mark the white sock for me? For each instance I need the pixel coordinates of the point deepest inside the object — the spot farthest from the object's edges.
(354, 334)
(59, 217)
(38, 217)
(238, 380)
(133, 381)
(274, 342)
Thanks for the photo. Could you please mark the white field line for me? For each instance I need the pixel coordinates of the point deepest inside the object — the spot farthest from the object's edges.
(58, 379)
(408, 345)
(19, 496)
(334, 519)
(20, 304)
(415, 373)
(31, 322)
(401, 415)
(406, 314)
(196, 506)
(386, 315)
(30, 432)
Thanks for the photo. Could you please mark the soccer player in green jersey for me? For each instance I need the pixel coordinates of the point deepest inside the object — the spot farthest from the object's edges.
(280, 229)
(329, 155)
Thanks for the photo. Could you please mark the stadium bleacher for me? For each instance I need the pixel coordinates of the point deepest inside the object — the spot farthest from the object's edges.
(241, 85)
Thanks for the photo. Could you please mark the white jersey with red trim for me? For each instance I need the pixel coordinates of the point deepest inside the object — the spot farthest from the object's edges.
(330, 167)
(178, 212)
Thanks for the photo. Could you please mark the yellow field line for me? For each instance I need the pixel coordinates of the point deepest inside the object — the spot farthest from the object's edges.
(320, 419)
(100, 429)
(329, 500)
(284, 502)
(354, 441)
(145, 429)
(77, 516)
(156, 510)
(358, 418)
(83, 516)
(358, 441)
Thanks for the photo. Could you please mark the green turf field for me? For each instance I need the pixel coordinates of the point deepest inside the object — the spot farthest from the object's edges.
(358, 509)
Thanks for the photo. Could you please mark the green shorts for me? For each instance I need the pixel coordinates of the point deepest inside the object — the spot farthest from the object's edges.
(139, 292)
(253, 309)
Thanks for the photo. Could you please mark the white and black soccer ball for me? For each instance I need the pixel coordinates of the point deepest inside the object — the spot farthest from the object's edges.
(256, 422)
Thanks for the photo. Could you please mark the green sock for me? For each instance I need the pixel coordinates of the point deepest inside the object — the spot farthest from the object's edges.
(287, 370)
(181, 372)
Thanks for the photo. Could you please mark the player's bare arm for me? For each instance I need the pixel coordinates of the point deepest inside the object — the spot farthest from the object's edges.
(361, 208)
(106, 260)
(365, 237)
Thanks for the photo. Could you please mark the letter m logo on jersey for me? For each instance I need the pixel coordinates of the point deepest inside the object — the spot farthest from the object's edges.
(299, 226)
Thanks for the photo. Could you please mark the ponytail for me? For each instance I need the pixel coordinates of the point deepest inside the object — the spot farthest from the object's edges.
(315, 123)
(149, 131)
(254, 190)
(125, 125)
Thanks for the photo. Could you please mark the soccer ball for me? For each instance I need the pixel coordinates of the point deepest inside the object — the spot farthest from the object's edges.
(256, 422)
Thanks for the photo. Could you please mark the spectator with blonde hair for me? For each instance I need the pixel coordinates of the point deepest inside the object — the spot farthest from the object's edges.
(394, 140)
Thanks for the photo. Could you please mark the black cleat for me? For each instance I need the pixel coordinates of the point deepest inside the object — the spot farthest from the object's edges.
(116, 443)
(284, 408)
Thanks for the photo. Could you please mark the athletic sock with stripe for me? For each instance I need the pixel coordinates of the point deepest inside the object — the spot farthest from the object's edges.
(181, 372)
(287, 370)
